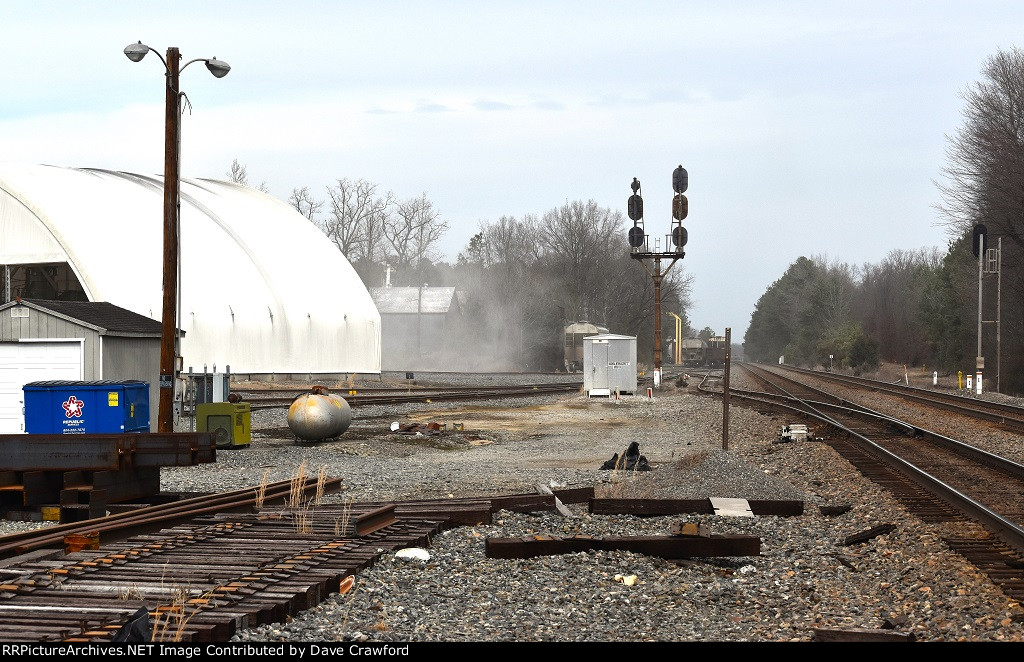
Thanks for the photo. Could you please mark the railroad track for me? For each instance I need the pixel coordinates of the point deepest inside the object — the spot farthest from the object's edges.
(356, 397)
(217, 572)
(1005, 416)
(937, 478)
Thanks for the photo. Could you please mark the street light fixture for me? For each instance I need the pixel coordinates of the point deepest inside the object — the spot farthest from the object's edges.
(169, 349)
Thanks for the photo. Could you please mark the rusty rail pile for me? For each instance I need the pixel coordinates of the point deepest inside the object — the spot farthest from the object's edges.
(196, 571)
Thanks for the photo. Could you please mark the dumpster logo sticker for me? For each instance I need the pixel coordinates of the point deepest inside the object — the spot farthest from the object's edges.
(73, 407)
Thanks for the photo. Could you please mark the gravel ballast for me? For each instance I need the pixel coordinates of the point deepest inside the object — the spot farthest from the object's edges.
(804, 578)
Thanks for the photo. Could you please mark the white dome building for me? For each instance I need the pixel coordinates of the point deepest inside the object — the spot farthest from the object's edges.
(262, 290)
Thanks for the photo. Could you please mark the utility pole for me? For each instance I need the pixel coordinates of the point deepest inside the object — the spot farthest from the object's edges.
(640, 248)
(170, 350)
(999, 314)
(979, 361)
(979, 250)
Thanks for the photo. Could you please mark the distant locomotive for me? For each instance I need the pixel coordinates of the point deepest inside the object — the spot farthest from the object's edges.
(573, 344)
(710, 353)
(714, 352)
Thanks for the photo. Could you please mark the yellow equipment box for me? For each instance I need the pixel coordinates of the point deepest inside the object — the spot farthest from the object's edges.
(228, 421)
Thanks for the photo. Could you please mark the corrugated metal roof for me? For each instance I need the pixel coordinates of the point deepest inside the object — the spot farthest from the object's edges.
(427, 300)
(585, 327)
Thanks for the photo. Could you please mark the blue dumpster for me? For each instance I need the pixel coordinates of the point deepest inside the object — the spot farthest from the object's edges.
(92, 407)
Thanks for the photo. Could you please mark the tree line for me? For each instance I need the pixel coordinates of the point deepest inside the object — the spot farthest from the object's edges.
(922, 307)
(520, 279)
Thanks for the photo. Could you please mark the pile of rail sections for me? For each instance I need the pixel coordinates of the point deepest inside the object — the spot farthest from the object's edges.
(67, 478)
(204, 568)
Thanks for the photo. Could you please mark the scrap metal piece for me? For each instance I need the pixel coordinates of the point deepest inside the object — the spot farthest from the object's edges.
(690, 529)
(559, 506)
(731, 507)
(375, 520)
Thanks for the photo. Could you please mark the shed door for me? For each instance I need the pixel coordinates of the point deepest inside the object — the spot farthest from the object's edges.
(24, 362)
(599, 367)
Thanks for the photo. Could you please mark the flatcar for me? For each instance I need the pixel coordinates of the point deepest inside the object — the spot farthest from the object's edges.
(573, 343)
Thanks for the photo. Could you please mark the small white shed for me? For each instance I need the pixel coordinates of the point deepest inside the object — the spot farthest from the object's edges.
(609, 364)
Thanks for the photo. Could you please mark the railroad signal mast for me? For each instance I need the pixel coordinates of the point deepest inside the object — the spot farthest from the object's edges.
(640, 247)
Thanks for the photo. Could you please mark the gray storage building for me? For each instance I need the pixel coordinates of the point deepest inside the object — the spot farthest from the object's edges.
(419, 327)
(609, 364)
(73, 340)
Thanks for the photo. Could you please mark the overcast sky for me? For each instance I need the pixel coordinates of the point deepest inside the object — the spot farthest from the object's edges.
(807, 128)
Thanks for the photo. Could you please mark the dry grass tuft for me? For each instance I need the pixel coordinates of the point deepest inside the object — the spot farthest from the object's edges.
(297, 487)
(129, 593)
(170, 621)
(321, 480)
(303, 522)
(341, 523)
(261, 491)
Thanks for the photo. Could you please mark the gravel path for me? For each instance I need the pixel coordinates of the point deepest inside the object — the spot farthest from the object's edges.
(804, 578)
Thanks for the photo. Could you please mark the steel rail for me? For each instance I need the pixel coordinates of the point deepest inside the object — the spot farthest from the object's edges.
(1008, 532)
(119, 523)
(424, 397)
(980, 409)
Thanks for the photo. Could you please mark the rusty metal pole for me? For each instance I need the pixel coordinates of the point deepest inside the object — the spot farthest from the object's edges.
(172, 145)
(725, 390)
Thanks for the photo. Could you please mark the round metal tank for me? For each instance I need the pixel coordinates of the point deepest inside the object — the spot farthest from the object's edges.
(319, 415)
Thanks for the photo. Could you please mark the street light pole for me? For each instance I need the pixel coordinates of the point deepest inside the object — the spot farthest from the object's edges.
(169, 347)
(169, 329)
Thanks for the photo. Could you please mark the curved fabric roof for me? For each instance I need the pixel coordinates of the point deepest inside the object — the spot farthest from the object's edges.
(262, 289)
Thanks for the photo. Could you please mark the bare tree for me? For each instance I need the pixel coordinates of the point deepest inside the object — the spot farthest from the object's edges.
(583, 239)
(526, 277)
(356, 218)
(413, 231)
(305, 203)
(240, 175)
(984, 181)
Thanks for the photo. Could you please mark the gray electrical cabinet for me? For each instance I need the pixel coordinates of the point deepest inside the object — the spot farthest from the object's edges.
(609, 365)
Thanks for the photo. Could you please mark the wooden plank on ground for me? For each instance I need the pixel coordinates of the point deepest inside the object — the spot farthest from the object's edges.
(861, 634)
(662, 507)
(865, 536)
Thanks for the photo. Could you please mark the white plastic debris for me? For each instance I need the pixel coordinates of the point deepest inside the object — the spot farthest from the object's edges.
(746, 569)
(394, 426)
(628, 580)
(413, 554)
